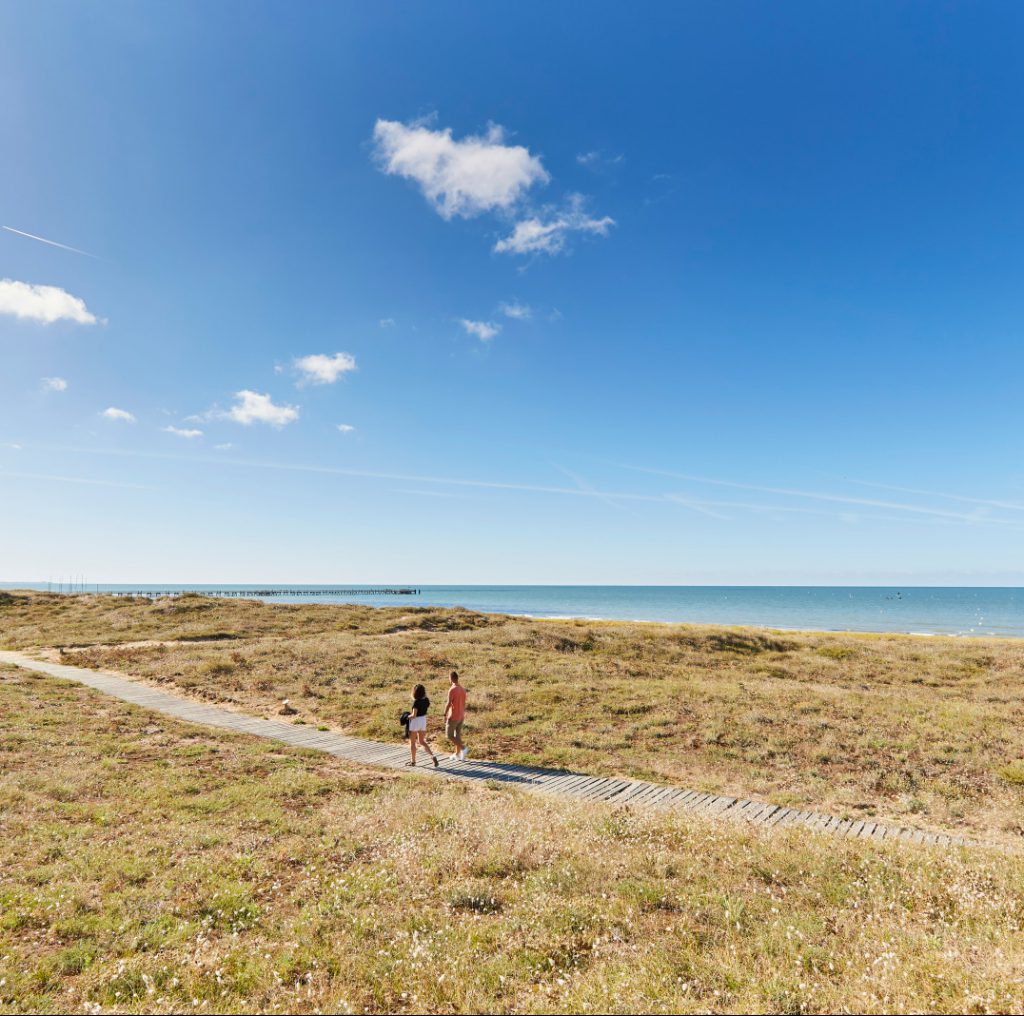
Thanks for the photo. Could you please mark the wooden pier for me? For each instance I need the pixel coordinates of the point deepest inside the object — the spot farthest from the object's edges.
(259, 594)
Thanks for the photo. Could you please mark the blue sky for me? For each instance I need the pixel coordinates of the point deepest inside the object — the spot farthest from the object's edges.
(512, 293)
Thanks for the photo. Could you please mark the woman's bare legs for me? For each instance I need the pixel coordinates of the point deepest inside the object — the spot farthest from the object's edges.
(423, 741)
(412, 746)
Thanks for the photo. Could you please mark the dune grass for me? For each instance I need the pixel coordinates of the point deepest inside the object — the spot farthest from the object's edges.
(919, 731)
(147, 865)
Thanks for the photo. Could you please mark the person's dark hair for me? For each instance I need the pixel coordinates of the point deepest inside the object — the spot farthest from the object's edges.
(419, 692)
(454, 675)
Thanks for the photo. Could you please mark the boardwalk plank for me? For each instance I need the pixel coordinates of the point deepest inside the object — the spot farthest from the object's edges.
(752, 811)
(659, 797)
(670, 798)
(697, 802)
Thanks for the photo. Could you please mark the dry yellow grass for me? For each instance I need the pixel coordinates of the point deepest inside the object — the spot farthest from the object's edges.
(918, 731)
(151, 866)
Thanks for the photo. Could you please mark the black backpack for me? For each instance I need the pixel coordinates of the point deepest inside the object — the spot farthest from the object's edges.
(404, 721)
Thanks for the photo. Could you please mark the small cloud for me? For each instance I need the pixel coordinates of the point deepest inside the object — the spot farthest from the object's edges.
(321, 369)
(598, 161)
(252, 407)
(666, 187)
(121, 415)
(182, 432)
(45, 304)
(476, 174)
(226, 446)
(54, 384)
(387, 322)
(517, 311)
(14, 447)
(549, 235)
(483, 330)
(346, 428)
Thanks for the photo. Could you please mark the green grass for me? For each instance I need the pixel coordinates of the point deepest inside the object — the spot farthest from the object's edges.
(154, 866)
(1013, 774)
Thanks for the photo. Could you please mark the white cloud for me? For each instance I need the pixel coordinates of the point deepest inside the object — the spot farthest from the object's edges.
(251, 407)
(346, 428)
(483, 330)
(598, 160)
(548, 236)
(180, 432)
(387, 322)
(45, 304)
(54, 384)
(122, 415)
(227, 446)
(517, 311)
(321, 369)
(477, 174)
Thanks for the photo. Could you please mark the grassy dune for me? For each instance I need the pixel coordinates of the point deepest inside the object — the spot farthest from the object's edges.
(921, 731)
(151, 866)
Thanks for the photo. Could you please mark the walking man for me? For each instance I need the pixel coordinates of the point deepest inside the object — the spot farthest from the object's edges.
(454, 714)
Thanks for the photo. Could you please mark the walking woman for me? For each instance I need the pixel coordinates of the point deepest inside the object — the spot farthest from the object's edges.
(418, 724)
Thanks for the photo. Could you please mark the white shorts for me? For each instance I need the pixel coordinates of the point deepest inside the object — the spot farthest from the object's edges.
(417, 723)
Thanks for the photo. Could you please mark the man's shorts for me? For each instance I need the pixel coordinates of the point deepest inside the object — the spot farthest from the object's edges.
(453, 730)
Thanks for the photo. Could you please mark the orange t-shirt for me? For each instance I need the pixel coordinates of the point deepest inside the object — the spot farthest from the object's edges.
(456, 703)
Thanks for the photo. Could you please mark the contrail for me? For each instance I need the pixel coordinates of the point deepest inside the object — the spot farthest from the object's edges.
(52, 243)
(823, 496)
(586, 488)
(1011, 505)
(933, 515)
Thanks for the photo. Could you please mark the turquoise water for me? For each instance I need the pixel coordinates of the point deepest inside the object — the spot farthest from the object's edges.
(916, 609)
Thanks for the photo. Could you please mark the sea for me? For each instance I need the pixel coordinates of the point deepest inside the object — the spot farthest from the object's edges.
(922, 610)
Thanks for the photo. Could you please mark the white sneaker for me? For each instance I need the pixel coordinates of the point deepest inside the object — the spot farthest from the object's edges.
(455, 756)
(464, 754)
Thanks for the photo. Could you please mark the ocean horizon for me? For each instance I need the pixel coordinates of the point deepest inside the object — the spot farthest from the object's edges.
(920, 610)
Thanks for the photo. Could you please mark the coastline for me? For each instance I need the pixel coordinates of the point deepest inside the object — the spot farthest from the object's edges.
(920, 611)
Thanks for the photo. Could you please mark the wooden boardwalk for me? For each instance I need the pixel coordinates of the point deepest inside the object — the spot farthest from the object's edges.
(262, 594)
(615, 791)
